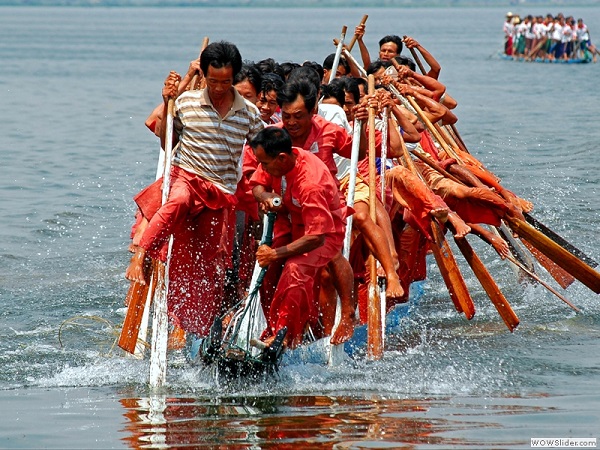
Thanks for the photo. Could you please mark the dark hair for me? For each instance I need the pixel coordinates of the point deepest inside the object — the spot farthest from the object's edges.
(318, 68)
(302, 87)
(350, 85)
(362, 81)
(392, 38)
(221, 54)
(270, 82)
(269, 65)
(287, 68)
(335, 90)
(250, 73)
(273, 140)
(307, 73)
(406, 61)
(328, 63)
(376, 65)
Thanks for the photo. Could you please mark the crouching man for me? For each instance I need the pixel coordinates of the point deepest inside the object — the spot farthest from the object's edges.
(308, 232)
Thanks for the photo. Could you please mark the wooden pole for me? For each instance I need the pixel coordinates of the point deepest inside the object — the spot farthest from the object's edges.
(489, 285)
(204, 45)
(375, 319)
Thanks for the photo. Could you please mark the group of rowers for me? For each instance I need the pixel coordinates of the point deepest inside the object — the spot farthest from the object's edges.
(548, 38)
(256, 137)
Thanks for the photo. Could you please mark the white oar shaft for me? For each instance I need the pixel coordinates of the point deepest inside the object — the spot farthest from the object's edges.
(338, 52)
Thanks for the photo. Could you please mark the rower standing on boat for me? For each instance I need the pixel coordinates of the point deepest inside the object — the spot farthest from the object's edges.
(309, 229)
(212, 125)
(508, 29)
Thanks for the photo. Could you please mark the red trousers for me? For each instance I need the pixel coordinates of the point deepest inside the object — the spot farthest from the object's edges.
(294, 303)
(197, 215)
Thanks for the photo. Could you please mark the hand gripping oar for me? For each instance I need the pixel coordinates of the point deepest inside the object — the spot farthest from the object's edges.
(160, 320)
(353, 40)
(375, 317)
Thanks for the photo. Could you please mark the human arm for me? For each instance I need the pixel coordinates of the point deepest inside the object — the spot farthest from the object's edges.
(265, 255)
(434, 67)
(359, 32)
(169, 91)
(499, 244)
(193, 70)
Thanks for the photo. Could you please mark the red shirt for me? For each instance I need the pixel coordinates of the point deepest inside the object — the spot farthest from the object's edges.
(310, 195)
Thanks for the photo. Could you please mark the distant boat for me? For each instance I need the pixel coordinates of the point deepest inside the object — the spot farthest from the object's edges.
(546, 61)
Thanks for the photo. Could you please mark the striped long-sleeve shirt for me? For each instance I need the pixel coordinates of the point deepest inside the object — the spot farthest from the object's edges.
(212, 146)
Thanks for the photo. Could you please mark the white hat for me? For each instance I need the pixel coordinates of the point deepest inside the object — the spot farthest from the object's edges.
(509, 14)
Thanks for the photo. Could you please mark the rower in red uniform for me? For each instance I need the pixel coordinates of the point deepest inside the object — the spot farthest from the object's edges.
(309, 229)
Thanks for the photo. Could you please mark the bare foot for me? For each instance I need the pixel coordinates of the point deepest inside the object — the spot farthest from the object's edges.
(135, 270)
(461, 229)
(345, 329)
(394, 289)
(441, 214)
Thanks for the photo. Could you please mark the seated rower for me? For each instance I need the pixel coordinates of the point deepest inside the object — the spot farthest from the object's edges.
(309, 228)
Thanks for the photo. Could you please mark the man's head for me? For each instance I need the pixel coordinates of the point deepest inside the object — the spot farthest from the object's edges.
(220, 63)
(273, 149)
(221, 54)
(267, 97)
(248, 82)
(389, 47)
(342, 70)
(297, 100)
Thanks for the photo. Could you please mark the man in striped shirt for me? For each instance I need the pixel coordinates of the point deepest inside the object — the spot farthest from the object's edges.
(211, 127)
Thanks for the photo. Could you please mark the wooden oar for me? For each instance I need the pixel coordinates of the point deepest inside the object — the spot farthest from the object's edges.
(542, 282)
(136, 303)
(338, 53)
(416, 58)
(562, 277)
(489, 285)
(375, 316)
(457, 288)
(459, 294)
(560, 240)
(204, 45)
(353, 40)
(556, 253)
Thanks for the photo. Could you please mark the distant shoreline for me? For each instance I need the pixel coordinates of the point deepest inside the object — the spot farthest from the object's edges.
(303, 3)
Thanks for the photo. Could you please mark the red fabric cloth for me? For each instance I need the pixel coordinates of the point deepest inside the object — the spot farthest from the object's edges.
(312, 201)
(197, 213)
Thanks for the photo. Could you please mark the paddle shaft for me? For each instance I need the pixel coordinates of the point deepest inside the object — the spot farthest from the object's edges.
(374, 319)
(489, 285)
(338, 53)
(354, 37)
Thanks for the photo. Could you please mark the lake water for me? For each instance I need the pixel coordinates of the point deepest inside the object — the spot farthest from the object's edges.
(75, 88)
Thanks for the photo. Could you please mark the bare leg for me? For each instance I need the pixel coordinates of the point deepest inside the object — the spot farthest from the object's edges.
(376, 241)
(461, 229)
(343, 280)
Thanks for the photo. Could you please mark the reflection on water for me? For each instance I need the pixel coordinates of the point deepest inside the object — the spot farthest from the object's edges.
(315, 422)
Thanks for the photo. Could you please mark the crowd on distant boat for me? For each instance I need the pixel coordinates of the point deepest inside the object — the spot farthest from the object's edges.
(550, 38)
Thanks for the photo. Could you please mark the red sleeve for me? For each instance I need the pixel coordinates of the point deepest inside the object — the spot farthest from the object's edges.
(250, 163)
(315, 213)
(260, 178)
(343, 142)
